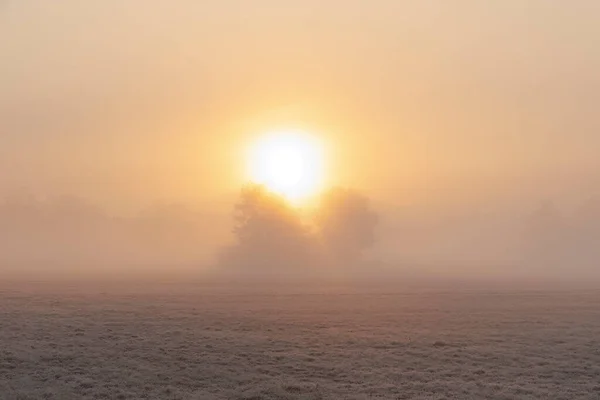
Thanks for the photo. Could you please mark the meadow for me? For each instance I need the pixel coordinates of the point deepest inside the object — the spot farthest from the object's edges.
(207, 341)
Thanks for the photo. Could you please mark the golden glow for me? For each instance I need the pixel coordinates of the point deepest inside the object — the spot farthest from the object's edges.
(290, 163)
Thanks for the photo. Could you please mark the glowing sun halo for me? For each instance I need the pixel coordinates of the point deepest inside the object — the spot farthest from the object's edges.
(289, 163)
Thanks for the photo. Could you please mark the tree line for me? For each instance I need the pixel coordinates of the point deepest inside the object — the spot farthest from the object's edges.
(269, 232)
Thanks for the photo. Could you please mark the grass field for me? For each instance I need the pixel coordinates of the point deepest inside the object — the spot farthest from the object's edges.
(176, 341)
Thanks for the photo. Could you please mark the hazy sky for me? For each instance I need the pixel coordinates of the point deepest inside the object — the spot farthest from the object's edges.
(127, 101)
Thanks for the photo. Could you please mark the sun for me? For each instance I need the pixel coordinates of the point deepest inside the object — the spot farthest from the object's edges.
(290, 163)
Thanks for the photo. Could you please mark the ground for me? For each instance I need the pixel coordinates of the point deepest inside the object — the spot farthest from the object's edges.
(176, 341)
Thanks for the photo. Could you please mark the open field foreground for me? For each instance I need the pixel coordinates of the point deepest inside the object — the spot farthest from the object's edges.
(193, 342)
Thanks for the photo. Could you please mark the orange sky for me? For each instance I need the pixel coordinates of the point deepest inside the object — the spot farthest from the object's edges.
(131, 102)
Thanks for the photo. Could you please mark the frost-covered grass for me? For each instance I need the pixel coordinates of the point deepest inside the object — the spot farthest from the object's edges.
(197, 342)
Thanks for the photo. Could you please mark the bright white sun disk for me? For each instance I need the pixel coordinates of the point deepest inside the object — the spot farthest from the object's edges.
(290, 163)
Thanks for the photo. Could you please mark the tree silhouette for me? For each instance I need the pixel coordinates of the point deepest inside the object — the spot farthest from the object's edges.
(346, 224)
(586, 235)
(547, 236)
(269, 232)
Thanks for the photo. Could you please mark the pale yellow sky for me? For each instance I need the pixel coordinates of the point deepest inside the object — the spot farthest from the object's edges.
(141, 100)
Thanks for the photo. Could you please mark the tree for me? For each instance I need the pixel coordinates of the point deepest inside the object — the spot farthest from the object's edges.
(269, 232)
(346, 224)
(586, 235)
(547, 237)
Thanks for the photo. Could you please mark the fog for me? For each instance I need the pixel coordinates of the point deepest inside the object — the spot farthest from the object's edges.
(67, 237)
(472, 129)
